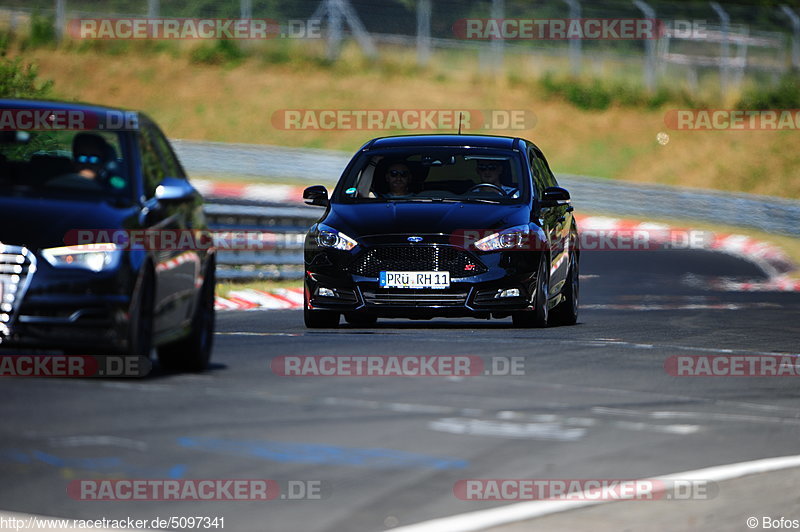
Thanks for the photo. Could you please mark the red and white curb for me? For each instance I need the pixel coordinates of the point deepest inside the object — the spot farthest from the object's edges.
(251, 299)
(770, 258)
(245, 191)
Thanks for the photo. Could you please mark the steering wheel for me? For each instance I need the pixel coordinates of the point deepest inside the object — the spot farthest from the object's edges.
(488, 185)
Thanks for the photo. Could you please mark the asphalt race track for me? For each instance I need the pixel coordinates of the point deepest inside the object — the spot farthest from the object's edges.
(594, 402)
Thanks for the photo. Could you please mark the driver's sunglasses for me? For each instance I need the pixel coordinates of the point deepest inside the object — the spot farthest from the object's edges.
(487, 167)
(90, 159)
(398, 173)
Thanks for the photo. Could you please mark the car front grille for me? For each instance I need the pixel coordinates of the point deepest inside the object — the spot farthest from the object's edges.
(17, 266)
(416, 298)
(429, 258)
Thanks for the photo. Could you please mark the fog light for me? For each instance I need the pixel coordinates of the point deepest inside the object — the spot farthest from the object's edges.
(325, 292)
(511, 292)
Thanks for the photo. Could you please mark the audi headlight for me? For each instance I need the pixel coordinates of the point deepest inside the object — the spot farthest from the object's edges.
(513, 237)
(335, 240)
(94, 257)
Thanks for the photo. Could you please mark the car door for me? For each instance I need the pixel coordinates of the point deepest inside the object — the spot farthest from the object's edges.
(564, 221)
(177, 262)
(551, 217)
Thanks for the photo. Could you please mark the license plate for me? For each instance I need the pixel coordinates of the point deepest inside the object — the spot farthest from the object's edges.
(415, 280)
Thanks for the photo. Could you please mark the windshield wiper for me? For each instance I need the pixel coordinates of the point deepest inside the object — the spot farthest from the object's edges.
(483, 200)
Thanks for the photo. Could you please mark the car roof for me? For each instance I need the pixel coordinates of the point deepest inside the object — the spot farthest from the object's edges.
(479, 141)
(16, 103)
(57, 105)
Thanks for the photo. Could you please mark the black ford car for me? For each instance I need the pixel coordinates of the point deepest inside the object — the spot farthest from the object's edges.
(91, 202)
(443, 225)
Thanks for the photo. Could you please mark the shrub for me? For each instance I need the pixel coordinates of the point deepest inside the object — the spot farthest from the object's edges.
(222, 52)
(42, 32)
(18, 80)
(784, 95)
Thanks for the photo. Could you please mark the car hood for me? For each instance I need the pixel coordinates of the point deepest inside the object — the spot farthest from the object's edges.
(359, 220)
(39, 223)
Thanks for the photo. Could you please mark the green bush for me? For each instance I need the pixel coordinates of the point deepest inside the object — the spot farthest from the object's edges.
(222, 52)
(42, 33)
(18, 80)
(598, 95)
(784, 95)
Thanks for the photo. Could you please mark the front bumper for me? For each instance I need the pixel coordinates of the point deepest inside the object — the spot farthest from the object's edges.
(468, 295)
(67, 309)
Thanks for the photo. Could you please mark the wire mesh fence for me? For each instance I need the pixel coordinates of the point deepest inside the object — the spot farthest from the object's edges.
(733, 42)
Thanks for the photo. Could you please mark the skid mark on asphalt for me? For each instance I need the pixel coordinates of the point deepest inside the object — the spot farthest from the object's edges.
(319, 454)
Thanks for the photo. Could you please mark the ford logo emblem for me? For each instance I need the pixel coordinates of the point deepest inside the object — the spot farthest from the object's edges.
(415, 239)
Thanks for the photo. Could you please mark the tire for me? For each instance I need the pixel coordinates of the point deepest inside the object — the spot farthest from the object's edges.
(536, 318)
(320, 319)
(193, 353)
(140, 339)
(360, 319)
(566, 312)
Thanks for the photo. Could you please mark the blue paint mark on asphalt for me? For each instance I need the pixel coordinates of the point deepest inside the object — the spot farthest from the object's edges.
(314, 453)
(108, 464)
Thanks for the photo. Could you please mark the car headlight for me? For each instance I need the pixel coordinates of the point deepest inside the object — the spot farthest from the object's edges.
(94, 257)
(513, 237)
(335, 240)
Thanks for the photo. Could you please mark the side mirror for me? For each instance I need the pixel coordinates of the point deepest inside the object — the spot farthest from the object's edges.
(554, 196)
(316, 195)
(172, 189)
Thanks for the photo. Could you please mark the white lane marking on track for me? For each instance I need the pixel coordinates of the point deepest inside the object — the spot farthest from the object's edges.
(707, 416)
(687, 306)
(523, 511)
(89, 441)
(505, 429)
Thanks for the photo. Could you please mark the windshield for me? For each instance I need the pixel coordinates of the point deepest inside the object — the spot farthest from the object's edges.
(68, 164)
(435, 174)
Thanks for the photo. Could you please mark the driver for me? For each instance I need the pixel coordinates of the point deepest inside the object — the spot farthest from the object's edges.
(490, 171)
(90, 153)
(398, 176)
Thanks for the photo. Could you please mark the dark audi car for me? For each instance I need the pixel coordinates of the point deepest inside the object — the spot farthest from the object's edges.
(443, 225)
(96, 254)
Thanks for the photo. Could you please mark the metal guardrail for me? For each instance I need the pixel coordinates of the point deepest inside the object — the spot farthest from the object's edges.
(272, 236)
(289, 223)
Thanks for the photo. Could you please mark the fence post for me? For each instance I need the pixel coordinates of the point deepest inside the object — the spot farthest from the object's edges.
(725, 52)
(61, 18)
(795, 20)
(498, 44)
(423, 32)
(152, 8)
(649, 46)
(334, 29)
(574, 44)
(246, 9)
